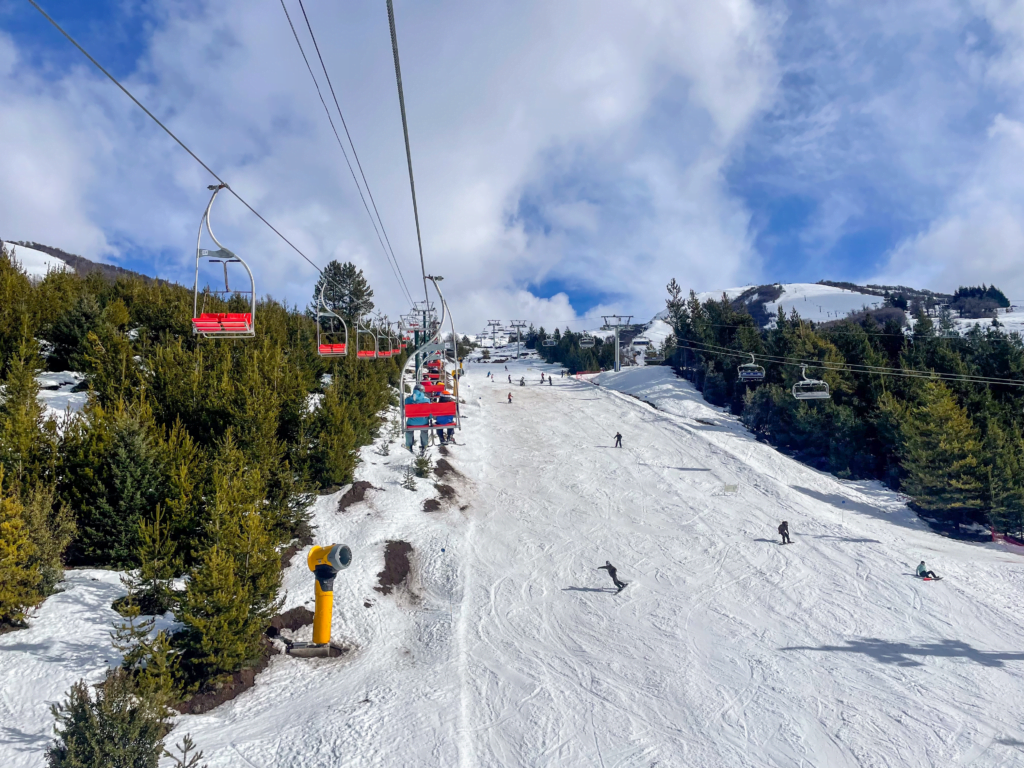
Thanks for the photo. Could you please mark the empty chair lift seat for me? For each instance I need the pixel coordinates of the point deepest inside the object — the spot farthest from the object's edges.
(433, 389)
(366, 353)
(328, 350)
(214, 323)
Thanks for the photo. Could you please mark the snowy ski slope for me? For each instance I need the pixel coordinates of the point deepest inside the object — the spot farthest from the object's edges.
(36, 263)
(509, 649)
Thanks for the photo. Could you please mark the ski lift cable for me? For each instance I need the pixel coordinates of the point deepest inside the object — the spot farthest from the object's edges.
(170, 133)
(866, 369)
(855, 368)
(392, 262)
(355, 154)
(833, 330)
(408, 151)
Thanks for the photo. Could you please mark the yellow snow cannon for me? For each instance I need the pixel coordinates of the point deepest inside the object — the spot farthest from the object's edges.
(324, 562)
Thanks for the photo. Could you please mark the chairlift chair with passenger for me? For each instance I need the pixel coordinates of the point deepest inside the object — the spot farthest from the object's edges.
(810, 389)
(549, 342)
(751, 371)
(587, 342)
(221, 325)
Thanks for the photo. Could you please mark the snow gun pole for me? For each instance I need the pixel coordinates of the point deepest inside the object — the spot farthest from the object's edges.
(324, 562)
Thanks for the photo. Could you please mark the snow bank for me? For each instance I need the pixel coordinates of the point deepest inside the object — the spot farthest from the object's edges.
(55, 393)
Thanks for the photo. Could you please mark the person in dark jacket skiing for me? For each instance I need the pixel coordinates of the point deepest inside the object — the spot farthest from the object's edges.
(618, 440)
(784, 532)
(509, 377)
(621, 585)
(551, 381)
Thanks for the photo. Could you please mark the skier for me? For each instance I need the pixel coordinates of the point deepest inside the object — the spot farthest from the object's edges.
(522, 381)
(506, 367)
(618, 440)
(510, 398)
(417, 396)
(784, 532)
(509, 376)
(542, 377)
(551, 381)
(611, 572)
(924, 573)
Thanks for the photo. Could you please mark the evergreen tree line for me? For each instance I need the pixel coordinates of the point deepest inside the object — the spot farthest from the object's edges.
(955, 447)
(192, 457)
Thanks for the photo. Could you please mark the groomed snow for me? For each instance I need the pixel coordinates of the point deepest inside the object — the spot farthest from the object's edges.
(508, 649)
(36, 263)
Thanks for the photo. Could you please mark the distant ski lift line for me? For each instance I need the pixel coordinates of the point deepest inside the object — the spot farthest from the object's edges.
(178, 141)
(853, 368)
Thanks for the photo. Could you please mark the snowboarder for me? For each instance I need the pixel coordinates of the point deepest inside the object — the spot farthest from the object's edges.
(924, 573)
(506, 367)
(618, 440)
(611, 572)
(510, 398)
(542, 377)
(509, 377)
(551, 381)
(784, 532)
(522, 381)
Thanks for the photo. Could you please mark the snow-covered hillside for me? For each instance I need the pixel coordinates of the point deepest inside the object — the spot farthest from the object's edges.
(36, 263)
(508, 648)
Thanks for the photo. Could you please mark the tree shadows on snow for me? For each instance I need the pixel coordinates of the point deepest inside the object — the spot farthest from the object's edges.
(902, 654)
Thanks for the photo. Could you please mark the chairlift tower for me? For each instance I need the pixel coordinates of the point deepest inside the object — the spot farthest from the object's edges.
(615, 322)
(518, 325)
(494, 326)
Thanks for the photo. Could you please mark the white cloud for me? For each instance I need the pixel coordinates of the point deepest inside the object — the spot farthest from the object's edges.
(980, 238)
(639, 104)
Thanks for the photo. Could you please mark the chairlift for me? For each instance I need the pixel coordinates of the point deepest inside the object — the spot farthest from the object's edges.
(751, 371)
(331, 340)
(366, 354)
(587, 342)
(549, 342)
(221, 325)
(810, 389)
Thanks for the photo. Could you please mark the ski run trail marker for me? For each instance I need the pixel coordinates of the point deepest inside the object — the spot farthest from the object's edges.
(507, 648)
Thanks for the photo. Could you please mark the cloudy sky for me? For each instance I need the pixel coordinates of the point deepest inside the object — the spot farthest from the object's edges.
(571, 156)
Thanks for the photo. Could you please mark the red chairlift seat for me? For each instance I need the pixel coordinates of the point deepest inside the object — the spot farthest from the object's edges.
(213, 323)
(430, 410)
(366, 353)
(433, 389)
(332, 350)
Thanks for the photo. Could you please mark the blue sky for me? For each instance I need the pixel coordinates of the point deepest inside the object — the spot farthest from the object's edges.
(571, 158)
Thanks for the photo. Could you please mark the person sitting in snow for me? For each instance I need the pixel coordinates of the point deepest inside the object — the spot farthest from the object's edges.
(417, 396)
(924, 573)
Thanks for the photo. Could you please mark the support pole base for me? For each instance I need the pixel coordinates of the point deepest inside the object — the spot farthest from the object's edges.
(316, 650)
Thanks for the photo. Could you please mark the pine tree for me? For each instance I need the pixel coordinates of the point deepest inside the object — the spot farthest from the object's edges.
(220, 634)
(347, 291)
(25, 447)
(19, 580)
(941, 448)
(150, 587)
(151, 660)
(119, 728)
(51, 527)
